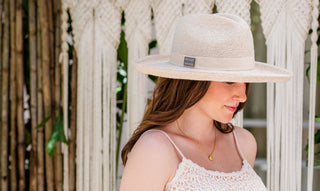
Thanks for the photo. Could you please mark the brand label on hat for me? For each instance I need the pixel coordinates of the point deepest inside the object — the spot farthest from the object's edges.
(189, 61)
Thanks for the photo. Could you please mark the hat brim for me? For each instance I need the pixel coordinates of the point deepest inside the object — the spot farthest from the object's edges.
(159, 65)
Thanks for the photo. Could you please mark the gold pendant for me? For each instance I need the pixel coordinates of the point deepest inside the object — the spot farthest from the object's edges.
(210, 158)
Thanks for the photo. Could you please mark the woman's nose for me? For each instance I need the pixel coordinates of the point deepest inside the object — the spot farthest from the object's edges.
(240, 92)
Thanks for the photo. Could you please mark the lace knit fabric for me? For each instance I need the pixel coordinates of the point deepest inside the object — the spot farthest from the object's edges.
(190, 176)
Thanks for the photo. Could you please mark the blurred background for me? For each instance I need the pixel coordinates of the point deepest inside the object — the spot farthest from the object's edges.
(38, 143)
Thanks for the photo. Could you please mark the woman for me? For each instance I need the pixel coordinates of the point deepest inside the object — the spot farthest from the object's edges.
(185, 140)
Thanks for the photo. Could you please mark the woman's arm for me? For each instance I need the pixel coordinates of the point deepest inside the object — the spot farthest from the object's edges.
(150, 164)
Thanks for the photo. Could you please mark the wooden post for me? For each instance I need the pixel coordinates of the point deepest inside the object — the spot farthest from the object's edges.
(5, 100)
(46, 88)
(13, 98)
(20, 85)
(33, 92)
(40, 115)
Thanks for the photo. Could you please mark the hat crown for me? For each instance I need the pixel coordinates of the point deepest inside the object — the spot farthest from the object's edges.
(214, 36)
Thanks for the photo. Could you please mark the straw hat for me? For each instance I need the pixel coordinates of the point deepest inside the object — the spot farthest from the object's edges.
(212, 47)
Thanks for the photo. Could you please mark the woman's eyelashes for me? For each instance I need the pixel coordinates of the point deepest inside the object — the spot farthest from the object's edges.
(230, 83)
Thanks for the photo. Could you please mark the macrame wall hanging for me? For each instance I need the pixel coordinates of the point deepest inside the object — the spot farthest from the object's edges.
(138, 36)
(285, 26)
(96, 27)
(312, 94)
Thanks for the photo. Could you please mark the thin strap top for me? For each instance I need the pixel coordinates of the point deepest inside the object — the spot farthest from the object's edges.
(175, 146)
(191, 176)
(237, 145)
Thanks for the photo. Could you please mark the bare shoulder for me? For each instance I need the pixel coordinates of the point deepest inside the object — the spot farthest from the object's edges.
(155, 143)
(150, 164)
(247, 144)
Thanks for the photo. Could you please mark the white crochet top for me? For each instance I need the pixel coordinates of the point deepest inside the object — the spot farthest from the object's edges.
(190, 176)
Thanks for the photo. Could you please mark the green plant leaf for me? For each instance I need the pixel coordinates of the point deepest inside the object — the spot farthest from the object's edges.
(56, 135)
(152, 44)
(43, 122)
(316, 141)
(119, 89)
(318, 69)
(317, 137)
(315, 162)
(153, 78)
(307, 72)
(123, 50)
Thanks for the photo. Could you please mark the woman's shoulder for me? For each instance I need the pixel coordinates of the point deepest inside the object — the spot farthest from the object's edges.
(153, 140)
(151, 162)
(244, 134)
(154, 143)
(247, 144)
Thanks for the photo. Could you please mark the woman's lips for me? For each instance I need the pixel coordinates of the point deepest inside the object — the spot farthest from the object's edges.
(231, 108)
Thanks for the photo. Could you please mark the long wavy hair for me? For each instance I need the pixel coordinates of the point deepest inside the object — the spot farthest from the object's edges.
(171, 97)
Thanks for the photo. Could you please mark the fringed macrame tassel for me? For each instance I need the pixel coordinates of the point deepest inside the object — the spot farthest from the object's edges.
(107, 38)
(274, 108)
(64, 60)
(313, 81)
(285, 25)
(96, 27)
(97, 65)
(85, 56)
(138, 36)
(82, 17)
(270, 136)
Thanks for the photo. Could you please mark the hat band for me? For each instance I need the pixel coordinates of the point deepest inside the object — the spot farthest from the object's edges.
(211, 63)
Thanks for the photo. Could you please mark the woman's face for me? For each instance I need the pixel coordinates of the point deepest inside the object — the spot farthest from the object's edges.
(222, 99)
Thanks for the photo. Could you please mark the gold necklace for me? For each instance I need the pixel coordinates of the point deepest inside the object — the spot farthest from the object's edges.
(210, 157)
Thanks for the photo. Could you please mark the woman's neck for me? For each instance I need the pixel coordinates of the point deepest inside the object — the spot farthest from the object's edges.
(197, 125)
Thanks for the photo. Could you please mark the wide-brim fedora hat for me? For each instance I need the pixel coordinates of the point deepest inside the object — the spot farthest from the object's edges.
(212, 47)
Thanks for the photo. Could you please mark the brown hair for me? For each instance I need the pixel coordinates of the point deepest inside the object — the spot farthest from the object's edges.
(171, 97)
